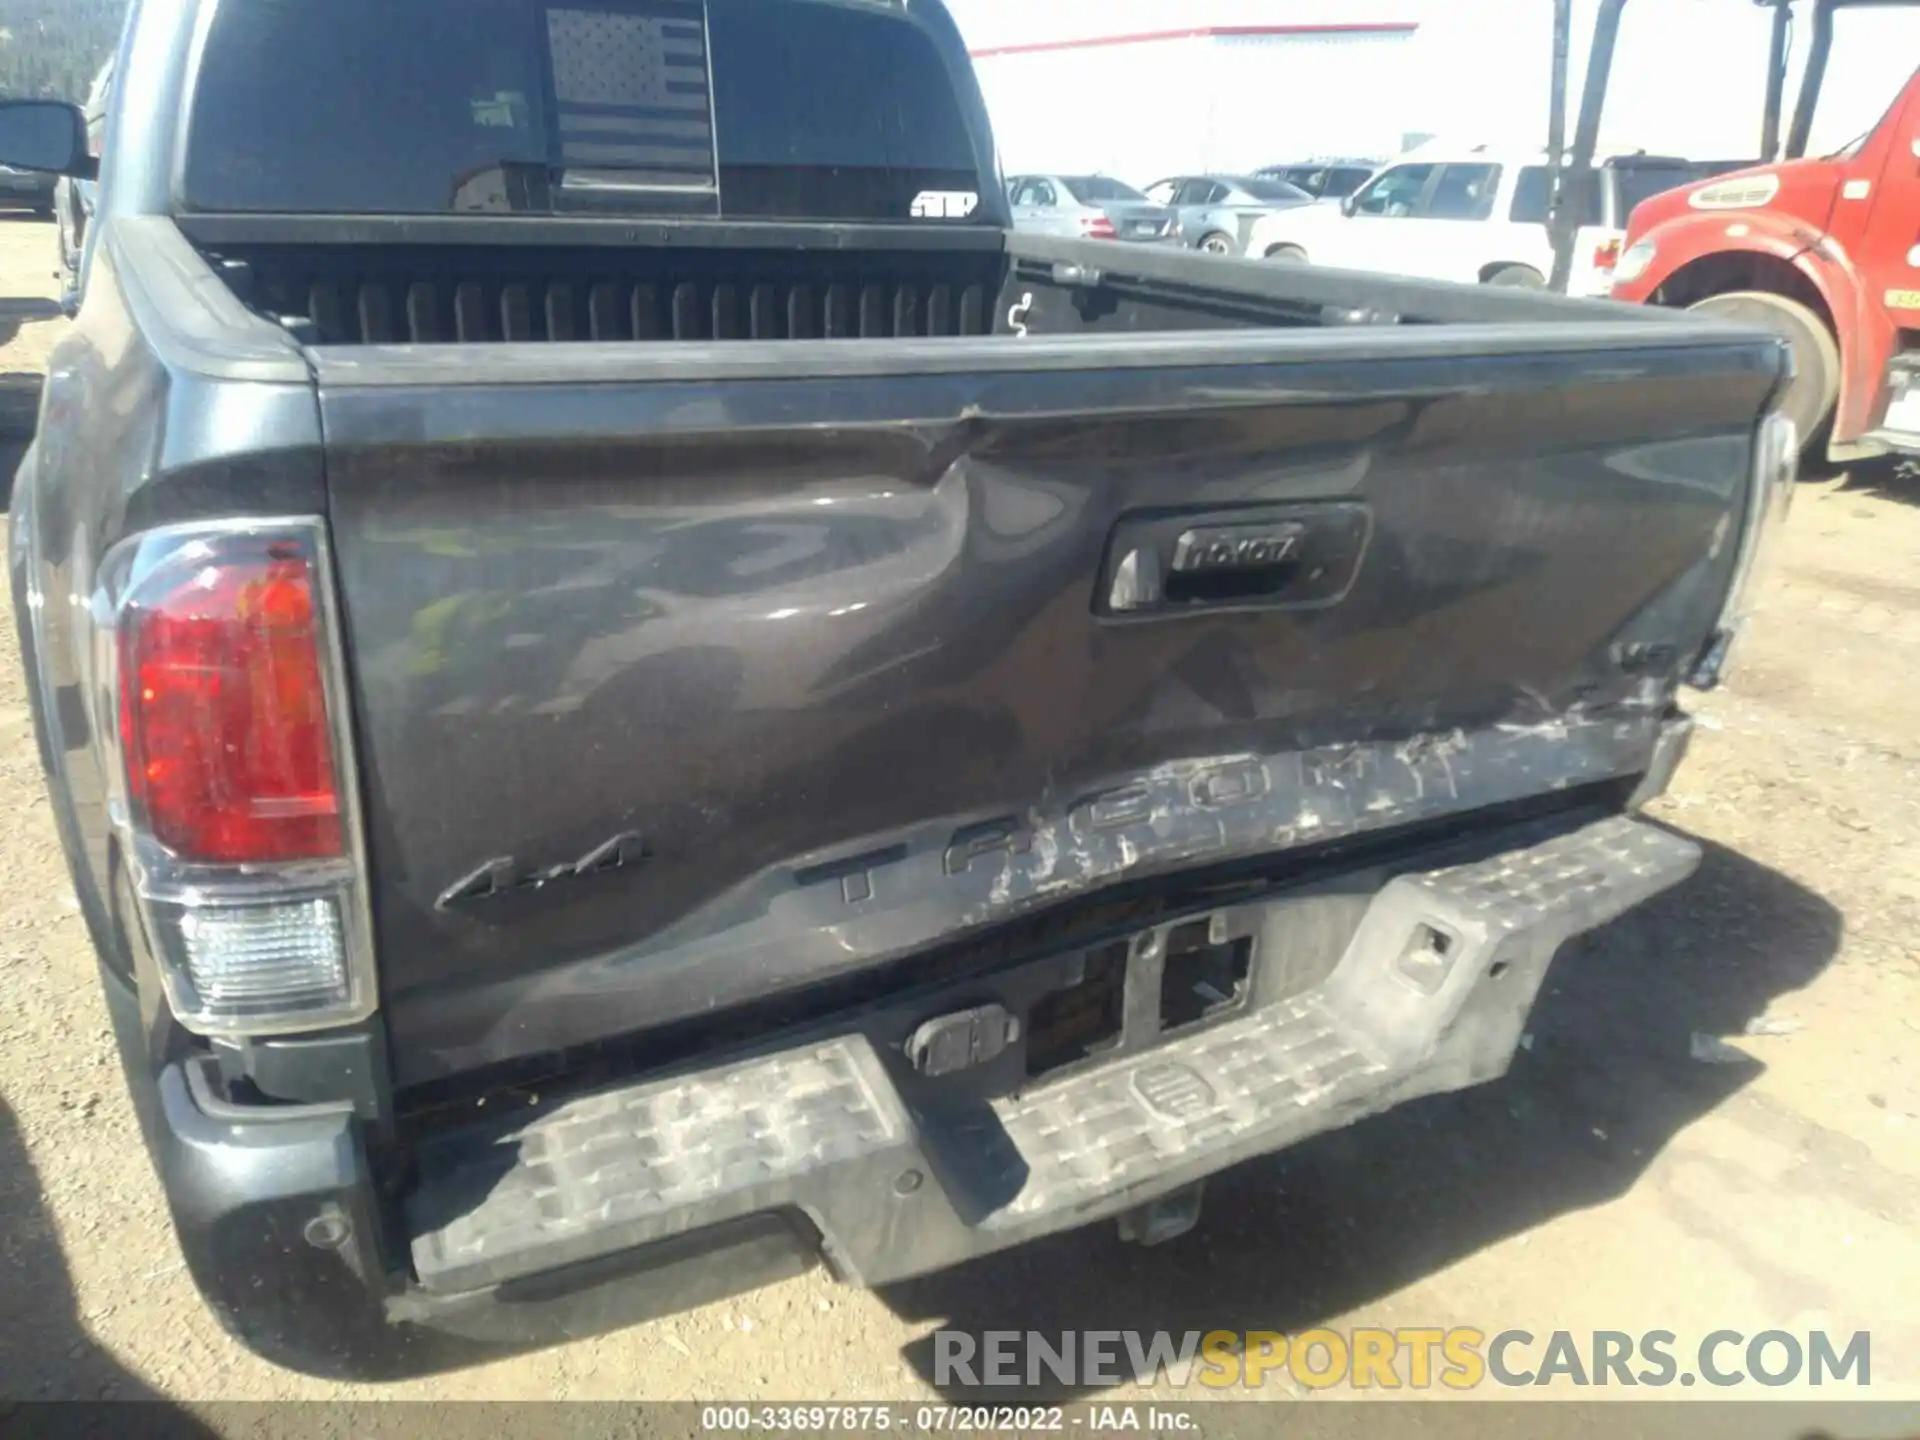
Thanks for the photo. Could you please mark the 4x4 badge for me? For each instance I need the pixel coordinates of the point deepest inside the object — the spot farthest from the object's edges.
(506, 877)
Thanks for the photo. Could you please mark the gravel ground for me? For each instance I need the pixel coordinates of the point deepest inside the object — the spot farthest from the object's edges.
(1612, 1181)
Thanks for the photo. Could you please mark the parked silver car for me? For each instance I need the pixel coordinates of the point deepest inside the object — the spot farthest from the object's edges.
(1093, 207)
(1216, 213)
(27, 190)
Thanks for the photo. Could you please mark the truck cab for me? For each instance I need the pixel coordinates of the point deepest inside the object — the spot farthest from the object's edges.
(1822, 250)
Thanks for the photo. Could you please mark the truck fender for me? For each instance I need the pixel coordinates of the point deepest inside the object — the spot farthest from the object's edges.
(25, 570)
(1700, 255)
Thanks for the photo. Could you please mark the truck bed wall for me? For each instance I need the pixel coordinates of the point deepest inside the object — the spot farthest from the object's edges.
(429, 281)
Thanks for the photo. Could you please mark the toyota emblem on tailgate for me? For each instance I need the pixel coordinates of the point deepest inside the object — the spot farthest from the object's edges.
(1237, 547)
(1295, 556)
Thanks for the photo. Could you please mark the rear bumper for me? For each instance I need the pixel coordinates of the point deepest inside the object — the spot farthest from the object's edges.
(611, 1207)
(32, 187)
(1899, 429)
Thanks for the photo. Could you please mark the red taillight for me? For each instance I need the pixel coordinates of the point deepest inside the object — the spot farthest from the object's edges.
(1606, 255)
(223, 709)
(1099, 227)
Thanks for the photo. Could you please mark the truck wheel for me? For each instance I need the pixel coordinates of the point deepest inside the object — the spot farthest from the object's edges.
(1518, 277)
(1291, 254)
(1216, 244)
(1809, 401)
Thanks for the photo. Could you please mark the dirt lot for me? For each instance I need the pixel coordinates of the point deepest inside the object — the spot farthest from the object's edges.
(1613, 1181)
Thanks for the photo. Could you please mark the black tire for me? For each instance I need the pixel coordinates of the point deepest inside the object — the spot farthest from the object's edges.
(43, 212)
(1217, 243)
(1287, 254)
(1518, 277)
(1809, 401)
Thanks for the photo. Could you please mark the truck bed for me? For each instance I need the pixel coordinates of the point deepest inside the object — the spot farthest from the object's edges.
(695, 677)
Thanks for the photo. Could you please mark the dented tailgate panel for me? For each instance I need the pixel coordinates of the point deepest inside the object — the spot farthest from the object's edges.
(672, 696)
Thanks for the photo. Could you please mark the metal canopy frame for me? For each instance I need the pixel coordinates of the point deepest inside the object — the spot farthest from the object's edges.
(1570, 178)
(1572, 173)
(1819, 46)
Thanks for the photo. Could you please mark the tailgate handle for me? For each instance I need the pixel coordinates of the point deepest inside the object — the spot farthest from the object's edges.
(1288, 557)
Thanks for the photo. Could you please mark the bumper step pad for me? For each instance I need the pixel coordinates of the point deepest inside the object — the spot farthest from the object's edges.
(821, 1129)
(1127, 1125)
(647, 1162)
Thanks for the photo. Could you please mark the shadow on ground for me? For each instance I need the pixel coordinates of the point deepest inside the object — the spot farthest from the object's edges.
(17, 310)
(1298, 1239)
(19, 390)
(46, 1354)
(1889, 477)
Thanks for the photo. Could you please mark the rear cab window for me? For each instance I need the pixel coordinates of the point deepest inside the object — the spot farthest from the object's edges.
(1640, 183)
(1274, 192)
(716, 108)
(1533, 195)
(1099, 189)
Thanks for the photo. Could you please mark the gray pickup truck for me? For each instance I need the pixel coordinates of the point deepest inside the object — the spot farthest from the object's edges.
(638, 692)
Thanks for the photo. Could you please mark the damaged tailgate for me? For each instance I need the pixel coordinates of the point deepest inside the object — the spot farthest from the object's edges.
(682, 686)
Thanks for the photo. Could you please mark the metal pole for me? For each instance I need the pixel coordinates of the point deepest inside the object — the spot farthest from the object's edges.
(1557, 110)
(1578, 182)
(1818, 46)
(1776, 80)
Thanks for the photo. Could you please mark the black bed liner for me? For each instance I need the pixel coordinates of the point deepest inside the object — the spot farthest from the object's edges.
(407, 280)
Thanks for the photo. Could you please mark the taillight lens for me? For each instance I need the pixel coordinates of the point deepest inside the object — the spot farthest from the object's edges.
(1099, 227)
(1774, 476)
(236, 807)
(228, 747)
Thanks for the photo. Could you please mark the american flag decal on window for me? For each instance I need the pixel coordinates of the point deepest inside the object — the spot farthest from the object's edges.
(634, 95)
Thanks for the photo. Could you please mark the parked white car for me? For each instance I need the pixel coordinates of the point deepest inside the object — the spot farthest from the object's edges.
(1474, 216)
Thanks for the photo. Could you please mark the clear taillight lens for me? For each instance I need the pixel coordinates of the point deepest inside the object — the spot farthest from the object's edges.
(1776, 471)
(252, 958)
(237, 806)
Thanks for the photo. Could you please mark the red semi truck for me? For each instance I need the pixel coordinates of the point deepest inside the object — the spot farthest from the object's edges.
(1825, 251)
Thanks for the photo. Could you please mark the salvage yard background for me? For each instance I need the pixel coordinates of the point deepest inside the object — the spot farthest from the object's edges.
(1631, 1174)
